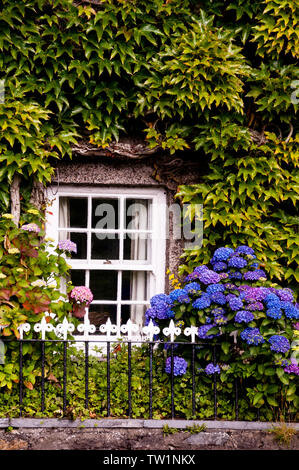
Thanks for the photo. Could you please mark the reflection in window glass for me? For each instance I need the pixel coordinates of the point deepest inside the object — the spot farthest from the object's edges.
(105, 214)
(134, 285)
(137, 214)
(103, 284)
(104, 246)
(136, 246)
(73, 212)
(99, 314)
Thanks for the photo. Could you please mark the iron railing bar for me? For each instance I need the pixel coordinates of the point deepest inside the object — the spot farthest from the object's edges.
(64, 375)
(172, 382)
(130, 379)
(86, 374)
(20, 378)
(193, 380)
(150, 380)
(43, 376)
(215, 383)
(108, 379)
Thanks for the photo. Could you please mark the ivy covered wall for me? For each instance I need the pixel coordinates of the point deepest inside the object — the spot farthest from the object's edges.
(217, 80)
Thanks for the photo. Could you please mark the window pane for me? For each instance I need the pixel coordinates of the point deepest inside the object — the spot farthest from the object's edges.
(81, 241)
(78, 277)
(99, 314)
(105, 214)
(136, 313)
(103, 284)
(137, 246)
(134, 285)
(137, 214)
(104, 246)
(73, 212)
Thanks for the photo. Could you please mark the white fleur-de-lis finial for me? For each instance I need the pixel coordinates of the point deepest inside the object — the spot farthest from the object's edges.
(43, 327)
(108, 328)
(129, 328)
(64, 328)
(151, 330)
(191, 331)
(86, 327)
(171, 331)
(24, 328)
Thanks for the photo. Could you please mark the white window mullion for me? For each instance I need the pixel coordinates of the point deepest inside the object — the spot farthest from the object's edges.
(119, 288)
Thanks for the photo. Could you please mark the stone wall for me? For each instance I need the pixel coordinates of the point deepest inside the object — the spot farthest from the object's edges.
(130, 435)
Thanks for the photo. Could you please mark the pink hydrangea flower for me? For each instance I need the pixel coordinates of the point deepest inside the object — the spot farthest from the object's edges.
(81, 295)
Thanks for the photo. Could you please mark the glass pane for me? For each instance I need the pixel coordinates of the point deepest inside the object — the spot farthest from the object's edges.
(134, 285)
(137, 214)
(99, 314)
(105, 214)
(78, 277)
(103, 285)
(104, 246)
(81, 241)
(137, 246)
(136, 313)
(73, 212)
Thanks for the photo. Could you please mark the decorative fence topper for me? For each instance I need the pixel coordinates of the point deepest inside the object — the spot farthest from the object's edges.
(106, 332)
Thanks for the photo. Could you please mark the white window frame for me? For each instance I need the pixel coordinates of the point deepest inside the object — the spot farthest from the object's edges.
(157, 230)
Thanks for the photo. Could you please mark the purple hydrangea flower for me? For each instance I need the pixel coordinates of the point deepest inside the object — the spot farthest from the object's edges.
(209, 277)
(220, 320)
(31, 227)
(292, 368)
(254, 275)
(285, 295)
(67, 245)
(255, 306)
(179, 366)
(279, 343)
(235, 275)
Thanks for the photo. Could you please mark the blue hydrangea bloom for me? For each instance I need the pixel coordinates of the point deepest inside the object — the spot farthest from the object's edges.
(235, 303)
(222, 254)
(279, 343)
(179, 295)
(218, 311)
(203, 330)
(252, 336)
(291, 311)
(235, 275)
(244, 249)
(157, 299)
(237, 262)
(203, 302)
(212, 369)
(244, 316)
(220, 320)
(179, 366)
(212, 288)
(192, 287)
(219, 266)
(218, 298)
(275, 313)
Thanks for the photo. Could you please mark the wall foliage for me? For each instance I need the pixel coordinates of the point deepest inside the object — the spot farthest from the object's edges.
(217, 79)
